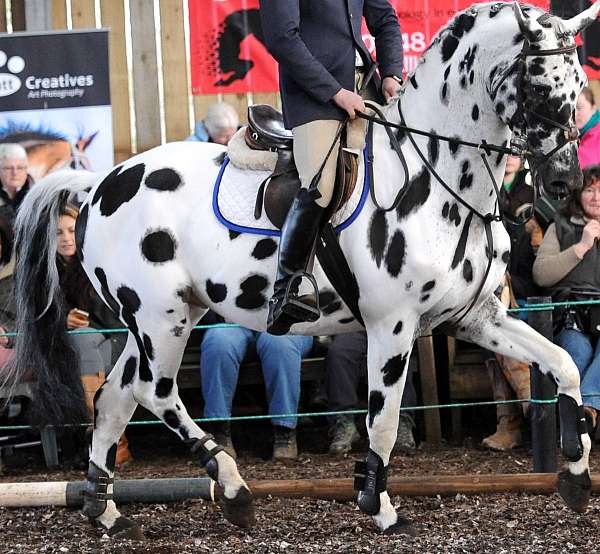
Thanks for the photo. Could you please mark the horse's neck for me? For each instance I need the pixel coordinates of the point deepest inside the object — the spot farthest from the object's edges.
(435, 100)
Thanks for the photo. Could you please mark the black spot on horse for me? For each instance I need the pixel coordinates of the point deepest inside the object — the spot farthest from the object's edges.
(80, 228)
(447, 71)
(170, 311)
(165, 179)
(428, 286)
(518, 38)
(471, 76)
(453, 146)
(463, 24)
(148, 348)
(455, 215)
(398, 328)
(128, 371)
(233, 234)
(164, 387)
(433, 148)
(396, 252)
(445, 209)
(417, 194)
(158, 246)
(408, 285)
(326, 297)
(171, 419)
(345, 320)
(506, 256)
(459, 253)
(251, 296)
(449, 46)
(394, 369)
(111, 457)
(468, 271)
(466, 181)
(463, 82)
(104, 290)
(500, 108)
(331, 308)
(116, 190)
(475, 112)
(413, 81)
(264, 248)
(494, 343)
(378, 235)
(129, 299)
(376, 402)
(217, 292)
(444, 93)
(424, 298)
(177, 331)
(183, 433)
(101, 189)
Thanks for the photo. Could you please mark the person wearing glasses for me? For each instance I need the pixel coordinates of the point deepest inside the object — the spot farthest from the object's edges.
(14, 179)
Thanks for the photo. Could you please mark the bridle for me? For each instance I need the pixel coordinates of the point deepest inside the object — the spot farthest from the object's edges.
(518, 147)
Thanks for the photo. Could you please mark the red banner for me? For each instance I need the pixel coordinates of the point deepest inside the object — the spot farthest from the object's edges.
(228, 53)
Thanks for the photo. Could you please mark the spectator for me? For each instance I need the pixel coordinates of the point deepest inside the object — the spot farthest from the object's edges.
(7, 300)
(87, 310)
(568, 259)
(587, 119)
(510, 378)
(346, 361)
(223, 350)
(219, 125)
(14, 179)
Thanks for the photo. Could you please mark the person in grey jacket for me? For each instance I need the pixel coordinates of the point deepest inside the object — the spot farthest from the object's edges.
(322, 58)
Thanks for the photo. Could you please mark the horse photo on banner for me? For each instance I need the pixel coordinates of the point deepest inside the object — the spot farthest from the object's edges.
(55, 99)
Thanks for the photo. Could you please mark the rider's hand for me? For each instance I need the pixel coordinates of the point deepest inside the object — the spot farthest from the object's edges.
(390, 88)
(76, 320)
(349, 101)
(591, 232)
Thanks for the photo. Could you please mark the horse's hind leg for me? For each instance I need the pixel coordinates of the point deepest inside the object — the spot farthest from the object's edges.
(114, 405)
(390, 344)
(491, 327)
(155, 388)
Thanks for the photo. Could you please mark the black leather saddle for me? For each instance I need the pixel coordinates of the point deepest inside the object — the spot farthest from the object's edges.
(266, 131)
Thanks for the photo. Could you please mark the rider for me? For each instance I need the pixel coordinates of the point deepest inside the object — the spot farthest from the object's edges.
(322, 59)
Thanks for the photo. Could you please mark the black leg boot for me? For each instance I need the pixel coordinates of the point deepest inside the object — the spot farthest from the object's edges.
(298, 236)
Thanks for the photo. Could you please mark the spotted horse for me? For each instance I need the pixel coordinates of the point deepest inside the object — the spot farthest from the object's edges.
(153, 248)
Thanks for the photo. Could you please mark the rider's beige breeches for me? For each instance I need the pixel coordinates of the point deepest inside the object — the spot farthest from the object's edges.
(311, 144)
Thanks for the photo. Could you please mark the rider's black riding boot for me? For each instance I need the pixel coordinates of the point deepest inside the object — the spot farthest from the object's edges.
(298, 236)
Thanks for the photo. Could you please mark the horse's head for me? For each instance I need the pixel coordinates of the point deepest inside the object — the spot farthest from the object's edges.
(536, 95)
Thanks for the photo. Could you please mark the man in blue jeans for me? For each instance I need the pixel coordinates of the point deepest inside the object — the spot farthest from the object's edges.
(222, 352)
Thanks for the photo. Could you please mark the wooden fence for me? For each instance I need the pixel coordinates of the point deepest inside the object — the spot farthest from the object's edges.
(149, 64)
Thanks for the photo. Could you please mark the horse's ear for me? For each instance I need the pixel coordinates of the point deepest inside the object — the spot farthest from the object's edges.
(526, 25)
(584, 19)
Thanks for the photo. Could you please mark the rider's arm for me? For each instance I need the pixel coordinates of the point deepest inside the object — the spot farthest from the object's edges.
(383, 24)
(551, 265)
(281, 29)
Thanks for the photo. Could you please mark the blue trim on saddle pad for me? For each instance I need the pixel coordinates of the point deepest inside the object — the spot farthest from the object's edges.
(277, 232)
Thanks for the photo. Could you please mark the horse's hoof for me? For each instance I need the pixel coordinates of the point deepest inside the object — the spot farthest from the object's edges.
(575, 490)
(239, 510)
(123, 528)
(402, 527)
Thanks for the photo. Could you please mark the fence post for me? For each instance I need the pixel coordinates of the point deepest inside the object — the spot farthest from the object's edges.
(543, 416)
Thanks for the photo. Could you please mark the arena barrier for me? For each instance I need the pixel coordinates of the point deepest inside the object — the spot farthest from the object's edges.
(158, 491)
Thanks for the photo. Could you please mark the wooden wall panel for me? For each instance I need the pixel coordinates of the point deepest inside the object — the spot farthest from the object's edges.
(83, 14)
(201, 104)
(2, 16)
(18, 15)
(240, 103)
(175, 82)
(595, 86)
(271, 98)
(112, 15)
(59, 14)
(145, 74)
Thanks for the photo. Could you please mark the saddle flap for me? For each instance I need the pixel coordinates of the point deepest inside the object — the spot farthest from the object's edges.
(267, 128)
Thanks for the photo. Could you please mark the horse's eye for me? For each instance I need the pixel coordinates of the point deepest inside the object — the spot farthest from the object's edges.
(541, 90)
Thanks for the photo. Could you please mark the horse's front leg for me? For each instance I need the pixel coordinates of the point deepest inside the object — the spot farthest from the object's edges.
(387, 361)
(491, 327)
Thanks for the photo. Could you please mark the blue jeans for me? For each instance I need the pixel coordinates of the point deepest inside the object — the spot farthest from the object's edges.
(221, 354)
(587, 359)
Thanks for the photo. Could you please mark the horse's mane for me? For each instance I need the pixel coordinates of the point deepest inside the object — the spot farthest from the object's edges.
(20, 131)
(457, 25)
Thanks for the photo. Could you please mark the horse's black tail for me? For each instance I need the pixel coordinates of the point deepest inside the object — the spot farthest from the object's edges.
(42, 352)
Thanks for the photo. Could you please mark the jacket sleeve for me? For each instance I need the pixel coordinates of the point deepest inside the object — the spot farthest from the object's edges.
(281, 29)
(382, 22)
(551, 265)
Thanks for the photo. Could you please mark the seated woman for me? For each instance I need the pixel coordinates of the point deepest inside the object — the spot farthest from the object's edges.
(569, 258)
(95, 350)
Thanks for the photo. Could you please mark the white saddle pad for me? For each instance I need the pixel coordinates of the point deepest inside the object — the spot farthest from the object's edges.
(234, 199)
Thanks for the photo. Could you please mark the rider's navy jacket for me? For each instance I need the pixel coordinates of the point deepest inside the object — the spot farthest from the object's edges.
(315, 41)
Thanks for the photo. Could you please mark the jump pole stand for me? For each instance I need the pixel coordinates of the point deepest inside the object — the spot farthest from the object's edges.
(542, 415)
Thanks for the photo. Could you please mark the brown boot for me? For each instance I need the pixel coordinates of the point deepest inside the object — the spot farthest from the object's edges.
(507, 435)
(123, 454)
(284, 445)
